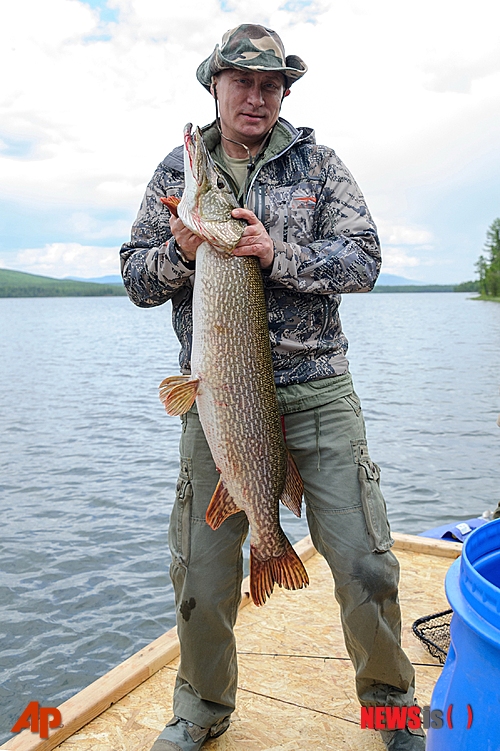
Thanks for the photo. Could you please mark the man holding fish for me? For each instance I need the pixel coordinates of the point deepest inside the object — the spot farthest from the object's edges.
(270, 231)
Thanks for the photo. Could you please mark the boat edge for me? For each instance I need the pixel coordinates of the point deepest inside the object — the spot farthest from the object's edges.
(96, 698)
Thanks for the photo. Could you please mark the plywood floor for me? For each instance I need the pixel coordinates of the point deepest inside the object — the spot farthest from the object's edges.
(296, 684)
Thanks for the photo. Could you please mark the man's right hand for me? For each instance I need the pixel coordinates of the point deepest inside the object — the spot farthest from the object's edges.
(187, 241)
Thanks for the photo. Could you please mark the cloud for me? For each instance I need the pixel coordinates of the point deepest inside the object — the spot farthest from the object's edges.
(304, 11)
(85, 224)
(404, 248)
(469, 53)
(65, 259)
(98, 93)
(397, 261)
(403, 235)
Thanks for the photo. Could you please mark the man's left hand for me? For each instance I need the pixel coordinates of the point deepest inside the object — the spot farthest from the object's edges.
(254, 241)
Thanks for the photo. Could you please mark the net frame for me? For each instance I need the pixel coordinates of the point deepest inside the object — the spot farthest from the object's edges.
(434, 633)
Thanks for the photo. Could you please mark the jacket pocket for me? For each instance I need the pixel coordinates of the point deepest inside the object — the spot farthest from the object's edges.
(372, 500)
(290, 212)
(179, 530)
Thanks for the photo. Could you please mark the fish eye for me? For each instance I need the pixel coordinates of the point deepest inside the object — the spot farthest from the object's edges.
(220, 183)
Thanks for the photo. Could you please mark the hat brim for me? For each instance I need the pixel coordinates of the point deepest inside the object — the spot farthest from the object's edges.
(293, 70)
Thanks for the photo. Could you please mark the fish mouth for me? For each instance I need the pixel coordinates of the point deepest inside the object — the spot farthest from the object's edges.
(189, 143)
(207, 199)
(196, 151)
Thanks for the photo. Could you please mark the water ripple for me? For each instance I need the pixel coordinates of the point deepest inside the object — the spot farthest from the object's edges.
(89, 463)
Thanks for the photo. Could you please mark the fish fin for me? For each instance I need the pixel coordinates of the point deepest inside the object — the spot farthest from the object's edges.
(286, 570)
(291, 497)
(220, 507)
(168, 383)
(177, 393)
(171, 202)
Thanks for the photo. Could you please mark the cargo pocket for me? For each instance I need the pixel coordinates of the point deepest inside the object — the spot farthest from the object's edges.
(372, 500)
(353, 400)
(179, 530)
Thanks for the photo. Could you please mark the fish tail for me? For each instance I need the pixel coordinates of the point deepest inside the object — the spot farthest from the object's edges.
(286, 570)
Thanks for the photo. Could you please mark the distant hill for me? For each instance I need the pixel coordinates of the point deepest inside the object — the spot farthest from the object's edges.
(383, 281)
(19, 284)
(390, 280)
(110, 279)
(393, 283)
(415, 288)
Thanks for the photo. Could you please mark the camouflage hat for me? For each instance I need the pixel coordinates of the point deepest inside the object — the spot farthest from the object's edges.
(251, 47)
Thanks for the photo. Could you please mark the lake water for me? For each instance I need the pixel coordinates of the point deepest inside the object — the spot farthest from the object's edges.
(89, 463)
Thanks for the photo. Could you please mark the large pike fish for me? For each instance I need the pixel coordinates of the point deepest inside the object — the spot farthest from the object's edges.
(232, 378)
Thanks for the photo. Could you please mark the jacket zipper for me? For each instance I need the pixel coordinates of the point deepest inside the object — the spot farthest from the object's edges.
(327, 314)
(272, 159)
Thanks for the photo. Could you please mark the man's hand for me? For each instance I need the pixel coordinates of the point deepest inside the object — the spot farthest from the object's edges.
(187, 241)
(254, 241)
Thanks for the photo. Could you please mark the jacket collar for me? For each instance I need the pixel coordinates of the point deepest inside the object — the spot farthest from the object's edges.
(284, 135)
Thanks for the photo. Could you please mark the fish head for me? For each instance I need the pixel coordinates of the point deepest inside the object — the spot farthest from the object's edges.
(207, 200)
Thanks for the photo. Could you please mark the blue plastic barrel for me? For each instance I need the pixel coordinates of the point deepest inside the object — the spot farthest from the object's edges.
(468, 691)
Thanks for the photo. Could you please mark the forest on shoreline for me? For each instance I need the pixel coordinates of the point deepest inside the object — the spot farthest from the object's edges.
(488, 265)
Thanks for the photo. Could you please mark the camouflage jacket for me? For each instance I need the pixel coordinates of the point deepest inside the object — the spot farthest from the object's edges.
(325, 244)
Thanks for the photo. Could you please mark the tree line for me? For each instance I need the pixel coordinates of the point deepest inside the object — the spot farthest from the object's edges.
(488, 265)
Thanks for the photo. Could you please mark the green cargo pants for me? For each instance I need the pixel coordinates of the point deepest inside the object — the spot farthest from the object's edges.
(347, 520)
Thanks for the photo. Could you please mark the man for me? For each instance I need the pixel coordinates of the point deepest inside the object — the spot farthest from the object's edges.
(310, 229)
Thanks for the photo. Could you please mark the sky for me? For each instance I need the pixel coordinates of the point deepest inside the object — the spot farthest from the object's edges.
(97, 93)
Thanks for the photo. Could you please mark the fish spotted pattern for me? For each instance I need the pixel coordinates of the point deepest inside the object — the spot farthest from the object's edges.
(232, 381)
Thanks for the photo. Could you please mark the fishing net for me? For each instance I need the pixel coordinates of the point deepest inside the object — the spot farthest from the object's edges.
(434, 633)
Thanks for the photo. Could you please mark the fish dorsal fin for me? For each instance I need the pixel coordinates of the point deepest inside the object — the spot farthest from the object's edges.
(221, 506)
(177, 393)
(291, 497)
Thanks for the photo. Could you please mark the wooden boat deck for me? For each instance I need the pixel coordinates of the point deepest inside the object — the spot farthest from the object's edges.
(296, 683)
